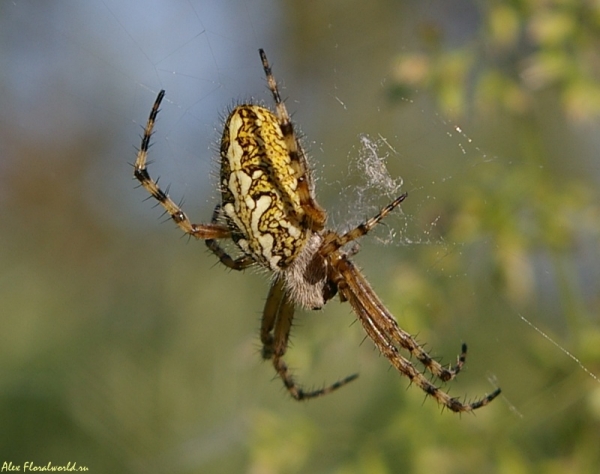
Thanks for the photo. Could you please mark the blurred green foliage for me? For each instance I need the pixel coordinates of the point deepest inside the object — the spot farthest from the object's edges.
(521, 49)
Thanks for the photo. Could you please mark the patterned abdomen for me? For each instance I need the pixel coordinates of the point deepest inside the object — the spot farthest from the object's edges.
(259, 188)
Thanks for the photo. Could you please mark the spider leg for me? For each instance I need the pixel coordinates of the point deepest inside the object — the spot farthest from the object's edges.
(334, 241)
(240, 263)
(315, 214)
(387, 323)
(405, 367)
(275, 328)
(140, 172)
(385, 333)
(370, 299)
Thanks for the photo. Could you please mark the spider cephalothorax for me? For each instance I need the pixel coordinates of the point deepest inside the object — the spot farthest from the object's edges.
(268, 208)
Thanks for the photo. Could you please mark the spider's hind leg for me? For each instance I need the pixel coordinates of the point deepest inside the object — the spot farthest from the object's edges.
(240, 263)
(140, 172)
(314, 215)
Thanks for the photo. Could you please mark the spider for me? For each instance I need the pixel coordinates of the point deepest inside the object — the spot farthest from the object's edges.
(268, 208)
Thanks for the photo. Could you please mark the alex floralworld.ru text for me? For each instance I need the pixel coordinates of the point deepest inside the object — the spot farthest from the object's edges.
(29, 466)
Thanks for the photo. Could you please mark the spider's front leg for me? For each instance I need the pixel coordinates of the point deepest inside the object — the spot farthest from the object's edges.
(275, 328)
(332, 244)
(385, 333)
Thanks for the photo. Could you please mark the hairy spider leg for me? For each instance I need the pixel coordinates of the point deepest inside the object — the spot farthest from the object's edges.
(240, 263)
(140, 172)
(316, 215)
(384, 331)
(275, 328)
(389, 324)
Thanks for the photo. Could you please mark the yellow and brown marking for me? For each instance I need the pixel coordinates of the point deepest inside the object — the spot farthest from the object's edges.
(259, 187)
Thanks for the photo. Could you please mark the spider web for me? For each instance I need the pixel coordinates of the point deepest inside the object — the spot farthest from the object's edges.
(373, 186)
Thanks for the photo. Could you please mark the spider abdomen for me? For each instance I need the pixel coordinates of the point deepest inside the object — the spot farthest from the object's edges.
(259, 188)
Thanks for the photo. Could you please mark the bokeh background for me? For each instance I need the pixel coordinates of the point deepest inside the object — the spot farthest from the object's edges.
(126, 348)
